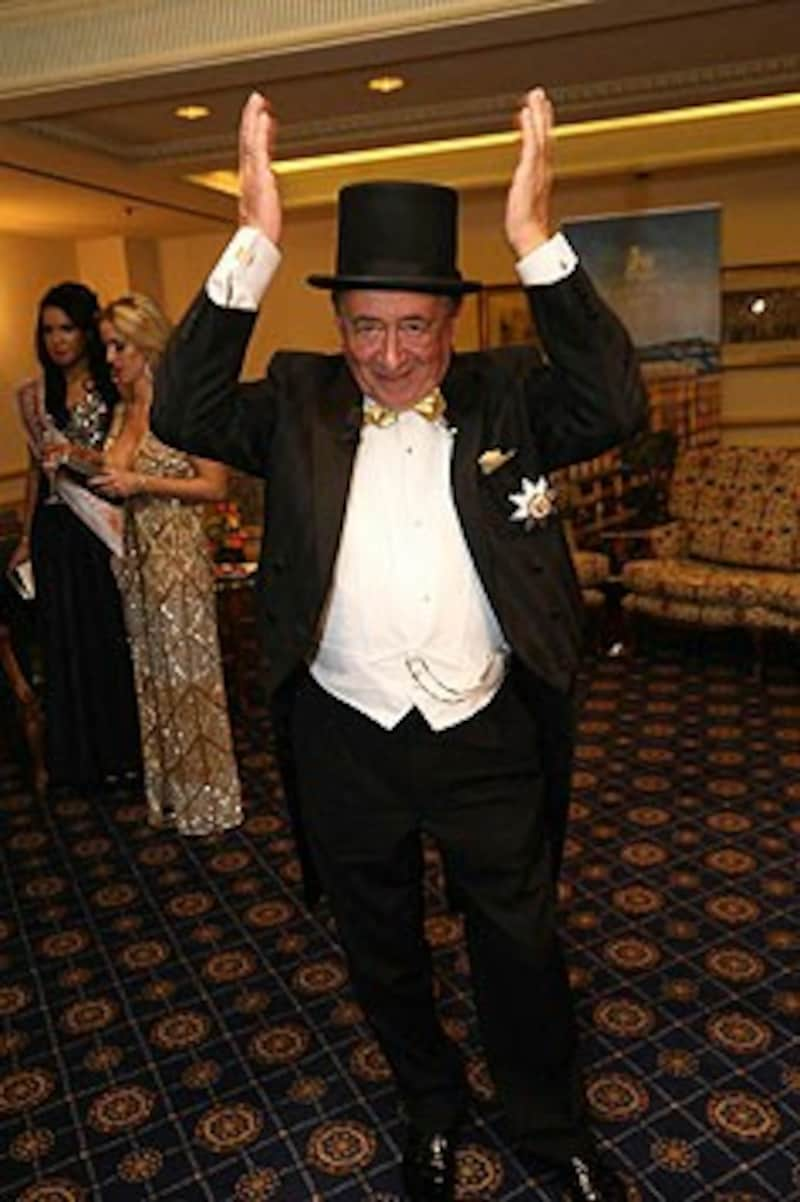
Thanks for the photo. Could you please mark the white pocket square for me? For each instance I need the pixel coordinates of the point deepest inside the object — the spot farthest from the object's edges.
(491, 460)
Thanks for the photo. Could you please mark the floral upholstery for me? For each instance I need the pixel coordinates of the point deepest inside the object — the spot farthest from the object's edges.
(731, 554)
(670, 541)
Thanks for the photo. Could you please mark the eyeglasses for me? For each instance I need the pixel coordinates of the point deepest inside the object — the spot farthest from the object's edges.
(411, 331)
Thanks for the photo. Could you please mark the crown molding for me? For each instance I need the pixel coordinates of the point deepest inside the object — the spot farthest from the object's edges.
(59, 44)
(664, 90)
(641, 145)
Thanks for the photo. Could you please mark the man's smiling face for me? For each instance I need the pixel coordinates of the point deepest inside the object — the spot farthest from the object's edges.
(397, 344)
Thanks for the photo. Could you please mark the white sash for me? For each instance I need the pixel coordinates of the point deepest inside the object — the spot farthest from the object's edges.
(102, 518)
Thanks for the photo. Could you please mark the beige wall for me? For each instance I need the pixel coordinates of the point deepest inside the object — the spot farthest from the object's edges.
(29, 267)
(103, 265)
(758, 200)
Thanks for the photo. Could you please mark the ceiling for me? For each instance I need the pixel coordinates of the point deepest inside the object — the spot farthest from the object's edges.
(90, 146)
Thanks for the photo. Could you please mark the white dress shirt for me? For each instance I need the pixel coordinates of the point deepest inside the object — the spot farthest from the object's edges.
(407, 622)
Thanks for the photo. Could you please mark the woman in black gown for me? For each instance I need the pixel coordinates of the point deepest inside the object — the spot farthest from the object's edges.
(91, 724)
(17, 699)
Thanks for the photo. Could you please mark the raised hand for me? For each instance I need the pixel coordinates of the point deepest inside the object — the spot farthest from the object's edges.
(259, 199)
(528, 201)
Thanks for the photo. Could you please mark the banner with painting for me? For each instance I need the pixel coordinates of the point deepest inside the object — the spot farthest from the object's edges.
(660, 270)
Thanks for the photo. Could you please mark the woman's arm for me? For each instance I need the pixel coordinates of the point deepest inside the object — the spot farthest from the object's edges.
(22, 551)
(209, 484)
(84, 460)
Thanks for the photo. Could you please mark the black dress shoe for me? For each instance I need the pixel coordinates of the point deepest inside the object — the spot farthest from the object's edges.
(429, 1166)
(589, 1180)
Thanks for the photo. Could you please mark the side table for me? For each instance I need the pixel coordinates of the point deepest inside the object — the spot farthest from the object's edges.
(635, 542)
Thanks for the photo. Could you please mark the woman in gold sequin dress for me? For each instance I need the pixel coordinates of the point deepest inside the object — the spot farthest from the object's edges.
(166, 579)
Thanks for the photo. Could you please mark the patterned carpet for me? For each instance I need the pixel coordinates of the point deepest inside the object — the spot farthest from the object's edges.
(174, 1025)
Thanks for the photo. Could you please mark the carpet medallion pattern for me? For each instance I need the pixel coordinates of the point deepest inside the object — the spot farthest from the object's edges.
(175, 1025)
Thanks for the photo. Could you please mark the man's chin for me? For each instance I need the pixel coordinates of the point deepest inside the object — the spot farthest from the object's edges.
(401, 395)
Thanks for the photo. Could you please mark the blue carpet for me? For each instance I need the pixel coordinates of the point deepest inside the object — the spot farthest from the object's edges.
(175, 1026)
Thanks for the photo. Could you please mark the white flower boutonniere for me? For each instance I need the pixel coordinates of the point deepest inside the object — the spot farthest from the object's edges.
(534, 503)
(491, 460)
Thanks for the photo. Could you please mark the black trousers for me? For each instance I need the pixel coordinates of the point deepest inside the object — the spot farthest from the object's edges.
(366, 795)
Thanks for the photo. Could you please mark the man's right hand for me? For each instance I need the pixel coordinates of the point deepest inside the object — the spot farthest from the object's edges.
(259, 199)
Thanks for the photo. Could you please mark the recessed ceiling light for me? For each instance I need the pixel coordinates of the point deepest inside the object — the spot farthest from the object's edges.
(386, 84)
(192, 112)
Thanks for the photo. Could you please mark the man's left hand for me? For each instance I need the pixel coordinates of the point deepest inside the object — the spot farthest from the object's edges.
(528, 201)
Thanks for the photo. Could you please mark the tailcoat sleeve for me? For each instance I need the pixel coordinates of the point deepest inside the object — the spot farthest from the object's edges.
(591, 396)
(200, 405)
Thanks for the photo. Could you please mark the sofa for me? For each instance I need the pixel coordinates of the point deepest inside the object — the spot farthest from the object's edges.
(730, 555)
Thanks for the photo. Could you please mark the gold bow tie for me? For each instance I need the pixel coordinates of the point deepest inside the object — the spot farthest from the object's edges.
(431, 407)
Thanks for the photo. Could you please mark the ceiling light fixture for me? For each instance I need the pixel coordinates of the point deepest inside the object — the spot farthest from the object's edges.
(192, 112)
(386, 84)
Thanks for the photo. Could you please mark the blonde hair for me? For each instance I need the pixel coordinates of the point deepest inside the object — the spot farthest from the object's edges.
(140, 320)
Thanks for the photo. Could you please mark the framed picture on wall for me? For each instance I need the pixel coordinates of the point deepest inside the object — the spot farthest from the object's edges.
(761, 315)
(505, 318)
(658, 269)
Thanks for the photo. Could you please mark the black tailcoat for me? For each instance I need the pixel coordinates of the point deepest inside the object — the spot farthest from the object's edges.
(299, 428)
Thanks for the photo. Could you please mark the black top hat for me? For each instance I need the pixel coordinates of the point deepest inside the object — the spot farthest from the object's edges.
(398, 236)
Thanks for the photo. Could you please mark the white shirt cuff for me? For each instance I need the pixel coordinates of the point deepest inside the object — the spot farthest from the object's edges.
(549, 263)
(244, 271)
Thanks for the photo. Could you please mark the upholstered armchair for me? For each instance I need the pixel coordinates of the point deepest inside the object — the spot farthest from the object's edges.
(730, 556)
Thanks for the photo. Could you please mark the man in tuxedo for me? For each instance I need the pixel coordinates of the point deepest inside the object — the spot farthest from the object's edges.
(420, 607)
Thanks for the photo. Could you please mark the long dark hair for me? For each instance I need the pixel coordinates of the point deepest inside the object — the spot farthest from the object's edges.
(82, 307)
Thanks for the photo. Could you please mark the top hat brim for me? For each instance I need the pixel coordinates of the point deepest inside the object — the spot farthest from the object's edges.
(440, 286)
